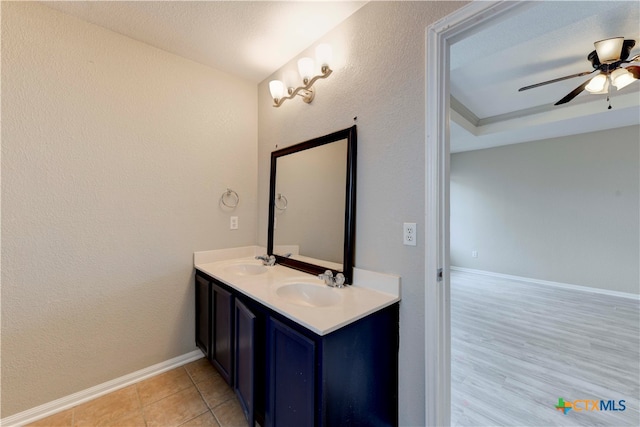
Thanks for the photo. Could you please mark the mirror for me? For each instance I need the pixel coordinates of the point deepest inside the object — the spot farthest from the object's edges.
(312, 200)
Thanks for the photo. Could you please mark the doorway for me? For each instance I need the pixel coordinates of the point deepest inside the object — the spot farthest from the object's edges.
(440, 36)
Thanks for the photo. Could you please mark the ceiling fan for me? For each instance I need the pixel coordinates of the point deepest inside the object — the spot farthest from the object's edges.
(608, 58)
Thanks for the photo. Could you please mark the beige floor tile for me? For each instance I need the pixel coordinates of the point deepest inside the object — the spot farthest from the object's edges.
(163, 385)
(230, 414)
(168, 399)
(215, 391)
(205, 420)
(175, 409)
(135, 419)
(61, 419)
(200, 370)
(104, 410)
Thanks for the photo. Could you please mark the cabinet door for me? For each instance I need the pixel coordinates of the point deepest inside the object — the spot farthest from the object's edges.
(245, 352)
(222, 345)
(291, 377)
(203, 315)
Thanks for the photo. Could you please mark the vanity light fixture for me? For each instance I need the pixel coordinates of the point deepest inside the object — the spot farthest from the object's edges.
(306, 68)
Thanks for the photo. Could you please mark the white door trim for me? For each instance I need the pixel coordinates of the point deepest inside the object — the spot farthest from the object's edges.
(439, 37)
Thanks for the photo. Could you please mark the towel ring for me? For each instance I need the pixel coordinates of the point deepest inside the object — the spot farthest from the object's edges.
(232, 198)
(283, 205)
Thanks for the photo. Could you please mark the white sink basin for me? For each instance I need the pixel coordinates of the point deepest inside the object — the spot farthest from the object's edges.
(247, 269)
(309, 295)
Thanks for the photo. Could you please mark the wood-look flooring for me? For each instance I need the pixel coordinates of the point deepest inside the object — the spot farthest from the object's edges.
(518, 347)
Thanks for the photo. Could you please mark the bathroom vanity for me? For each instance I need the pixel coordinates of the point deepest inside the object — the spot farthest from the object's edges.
(297, 352)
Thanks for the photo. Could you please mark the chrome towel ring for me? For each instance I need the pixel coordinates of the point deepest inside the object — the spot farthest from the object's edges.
(230, 198)
(283, 202)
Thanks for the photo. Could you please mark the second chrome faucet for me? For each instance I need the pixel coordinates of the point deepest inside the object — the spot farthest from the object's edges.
(336, 281)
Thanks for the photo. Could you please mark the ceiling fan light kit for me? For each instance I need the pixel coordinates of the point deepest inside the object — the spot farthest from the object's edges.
(598, 84)
(609, 50)
(608, 57)
(621, 78)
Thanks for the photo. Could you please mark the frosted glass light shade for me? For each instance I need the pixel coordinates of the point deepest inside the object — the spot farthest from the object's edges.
(621, 78)
(609, 50)
(598, 84)
(276, 87)
(305, 68)
(324, 54)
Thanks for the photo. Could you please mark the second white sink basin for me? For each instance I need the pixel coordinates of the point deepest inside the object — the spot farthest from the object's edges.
(309, 295)
(247, 269)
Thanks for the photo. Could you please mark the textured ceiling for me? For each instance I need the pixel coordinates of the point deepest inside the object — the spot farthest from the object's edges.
(535, 42)
(250, 39)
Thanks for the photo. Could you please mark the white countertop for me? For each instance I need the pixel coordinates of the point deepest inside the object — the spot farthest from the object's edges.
(370, 292)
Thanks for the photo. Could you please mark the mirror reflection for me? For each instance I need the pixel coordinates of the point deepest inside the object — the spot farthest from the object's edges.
(309, 205)
(312, 202)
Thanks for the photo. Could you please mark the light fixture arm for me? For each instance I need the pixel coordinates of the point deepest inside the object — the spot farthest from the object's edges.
(307, 90)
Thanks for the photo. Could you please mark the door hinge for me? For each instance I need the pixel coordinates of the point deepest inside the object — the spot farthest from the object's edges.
(439, 275)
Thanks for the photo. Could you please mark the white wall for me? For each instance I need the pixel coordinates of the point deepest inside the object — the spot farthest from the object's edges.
(114, 156)
(564, 209)
(379, 77)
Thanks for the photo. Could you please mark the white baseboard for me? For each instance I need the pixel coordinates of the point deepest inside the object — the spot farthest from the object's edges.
(75, 399)
(549, 283)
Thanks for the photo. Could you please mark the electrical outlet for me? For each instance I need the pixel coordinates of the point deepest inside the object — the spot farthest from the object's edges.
(409, 234)
(474, 254)
(233, 223)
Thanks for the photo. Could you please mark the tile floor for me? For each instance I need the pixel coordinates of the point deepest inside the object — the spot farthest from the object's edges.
(191, 395)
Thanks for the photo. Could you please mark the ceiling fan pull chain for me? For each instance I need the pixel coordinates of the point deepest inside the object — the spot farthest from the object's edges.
(609, 92)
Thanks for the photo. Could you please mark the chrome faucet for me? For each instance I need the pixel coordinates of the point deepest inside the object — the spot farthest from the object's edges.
(266, 259)
(336, 281)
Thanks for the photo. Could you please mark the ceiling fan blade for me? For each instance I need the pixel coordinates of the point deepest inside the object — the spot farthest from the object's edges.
(635, 58)
(634, 70)
(559, 79)
(573, 93)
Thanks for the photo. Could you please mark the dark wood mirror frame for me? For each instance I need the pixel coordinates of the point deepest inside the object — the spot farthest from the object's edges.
(350, 135)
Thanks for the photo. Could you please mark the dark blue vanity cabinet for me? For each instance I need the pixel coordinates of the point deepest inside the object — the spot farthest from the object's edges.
(203, 315)
(346, 378)
(285, 375)
(214, 325)
(231, 332)
(222, 328)
(292, 377)
(245, 352)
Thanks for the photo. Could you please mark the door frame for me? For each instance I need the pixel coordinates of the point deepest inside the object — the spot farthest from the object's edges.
(439, 37)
